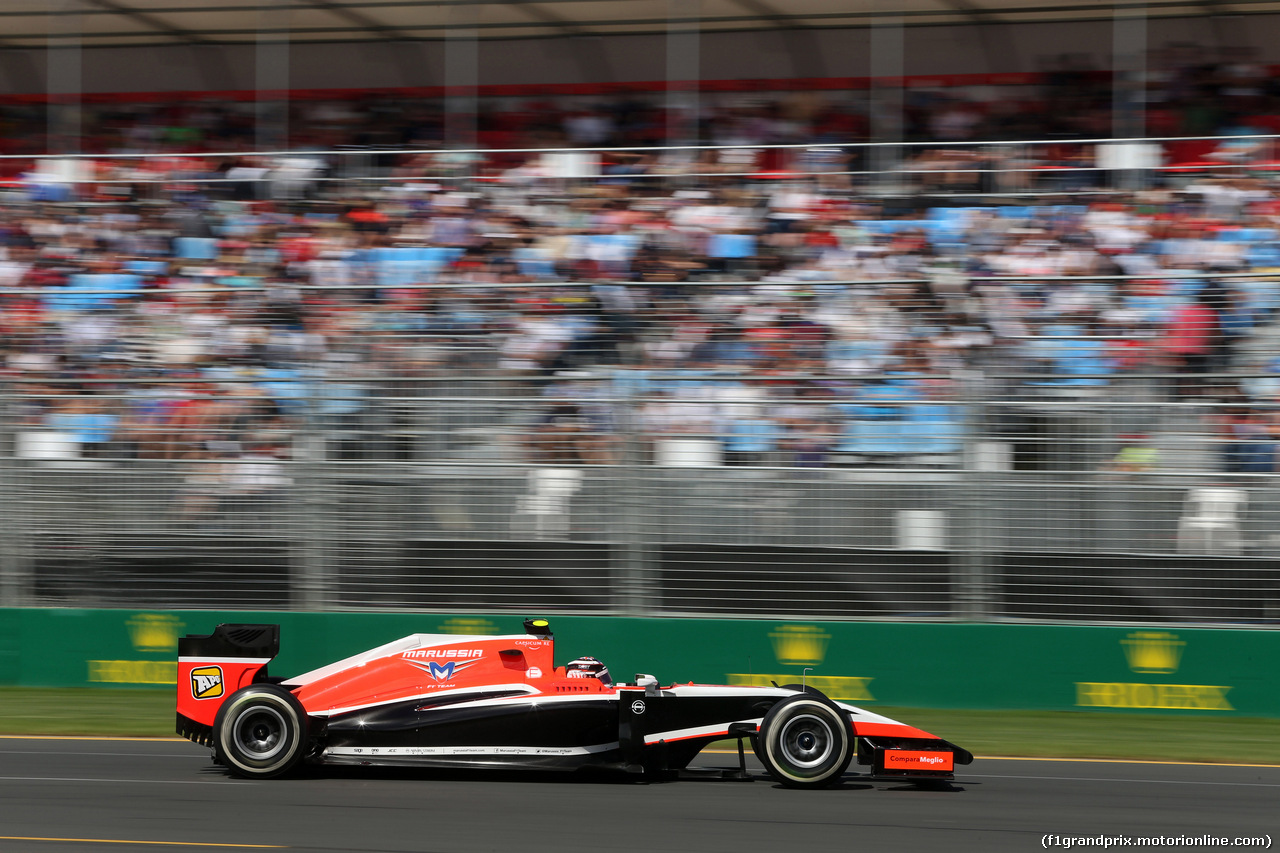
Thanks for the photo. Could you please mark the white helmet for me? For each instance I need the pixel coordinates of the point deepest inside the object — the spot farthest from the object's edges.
(588, 667)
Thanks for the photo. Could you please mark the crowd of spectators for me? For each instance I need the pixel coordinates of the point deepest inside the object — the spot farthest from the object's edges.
(798, 317)
(204, 325)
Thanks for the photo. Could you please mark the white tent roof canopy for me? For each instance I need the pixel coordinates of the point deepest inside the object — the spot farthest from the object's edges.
(115, 23)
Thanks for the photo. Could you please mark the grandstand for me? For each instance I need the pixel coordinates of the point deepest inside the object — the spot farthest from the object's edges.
(464, 335)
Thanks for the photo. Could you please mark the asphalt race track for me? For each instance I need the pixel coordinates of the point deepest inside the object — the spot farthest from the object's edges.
(89, 795)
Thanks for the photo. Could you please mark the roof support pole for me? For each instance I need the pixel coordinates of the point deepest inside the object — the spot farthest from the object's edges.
(271, 77)
(887, 59)
(1129, 59)
(684, 68)
(461, 76)
(1128, 83)
(64, 79)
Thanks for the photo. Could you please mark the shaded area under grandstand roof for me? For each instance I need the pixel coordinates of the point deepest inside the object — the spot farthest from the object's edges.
(102, 23)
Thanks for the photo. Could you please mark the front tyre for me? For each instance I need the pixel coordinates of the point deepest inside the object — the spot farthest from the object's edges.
(805, 742)
(260, 732)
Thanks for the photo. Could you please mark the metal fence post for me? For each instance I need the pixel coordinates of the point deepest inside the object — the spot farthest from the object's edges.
(634, 574)
(15, 569)
(310, 581)
(976, 514)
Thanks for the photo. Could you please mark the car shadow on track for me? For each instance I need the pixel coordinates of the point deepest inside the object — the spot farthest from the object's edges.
(592, 776)
(585, 776)
(926, 787)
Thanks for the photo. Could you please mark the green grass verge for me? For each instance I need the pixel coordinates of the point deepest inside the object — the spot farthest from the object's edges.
(86, 711)
(1055, 734)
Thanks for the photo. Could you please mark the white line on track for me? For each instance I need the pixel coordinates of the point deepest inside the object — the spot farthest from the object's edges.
(1123, 761)
(960, 777)
(1078, 760)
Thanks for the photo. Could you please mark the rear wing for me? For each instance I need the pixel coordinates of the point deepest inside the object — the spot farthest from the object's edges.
(212, 667)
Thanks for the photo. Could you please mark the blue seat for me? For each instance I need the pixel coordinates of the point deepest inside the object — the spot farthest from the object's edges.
(53, 192)
(1186, 289)
(629, 382)
(1261, 296)
(890, 389)
(849, 354)
(196, 248)
(147, 267)
(87, 427)
(873, 430)
(1263, 255)
(534, 262)
(396, 273)
(625, 245)
(288, 388)
(1061, 330)
(1246, 235)
(1178, 246)
(1082, 363)
(731, 246)
(752, 435)
(893, 226)
(340, 398)
(875, 438)
(955, 216)
(934, 429)
(87, 291)
(396, 266)
(683, 379)
(1154, 309)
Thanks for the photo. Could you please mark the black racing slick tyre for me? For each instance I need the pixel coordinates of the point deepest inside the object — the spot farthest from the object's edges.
(260, 732)
(805, 742)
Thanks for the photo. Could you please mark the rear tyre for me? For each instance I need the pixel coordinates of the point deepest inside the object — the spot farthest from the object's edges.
(260, 732)
(805, 742)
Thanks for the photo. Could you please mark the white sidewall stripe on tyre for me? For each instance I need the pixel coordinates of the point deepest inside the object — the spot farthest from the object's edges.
(227, 735)
(840, 737)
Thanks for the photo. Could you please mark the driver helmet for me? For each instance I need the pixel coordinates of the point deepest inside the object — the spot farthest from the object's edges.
(588, 667)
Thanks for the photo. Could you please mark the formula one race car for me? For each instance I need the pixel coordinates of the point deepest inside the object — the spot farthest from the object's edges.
(447, 700)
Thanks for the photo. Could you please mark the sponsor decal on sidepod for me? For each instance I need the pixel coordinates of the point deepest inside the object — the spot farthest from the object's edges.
(442, 671)
(457, 654)
(206, 682)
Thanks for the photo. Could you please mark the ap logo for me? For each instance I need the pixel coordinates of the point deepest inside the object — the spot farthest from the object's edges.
(206, 682)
